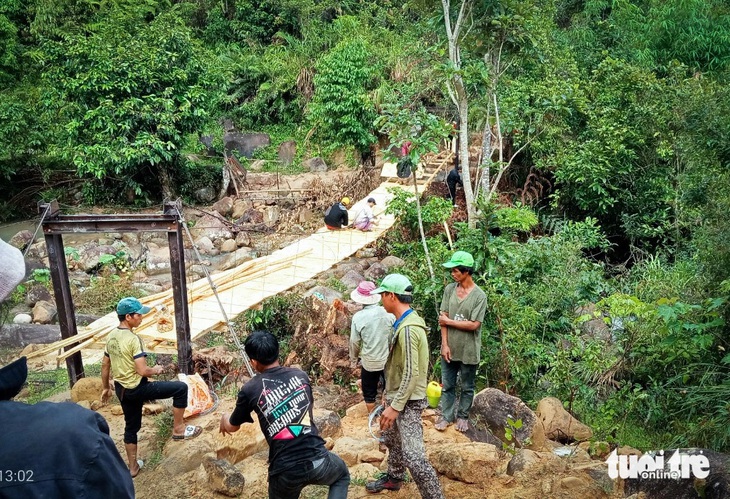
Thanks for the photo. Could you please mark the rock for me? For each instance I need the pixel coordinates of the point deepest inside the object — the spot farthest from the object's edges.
(38, 292)
(223, 477)
(245, 143)
(84, 403)
(271, 215)
(493, 407)
(158, 261)
(239, 208)
(44, 312)
(255, 470)
(328, 423)
(559, 424)
(22, 319)
(251, 216)
(204, 244)
(315, 164)
(375, 272)
(223, 206)
(246, 442)
(352, 450)
(213, 227)
(116, 410)
(148, 288)
(181, 457)
(152, 409)
(470, 463)
(88, 389)
(365, 253)
(595, 327)
(207, 141)
(363, 471)
(37, 251)
(324, 293)
(305, 215)
(287, 152)
(229, 246)
(21, 239)
(205, 195)
(243, 239)
(241, 255)
(90, 254)
(392, 261)
(351, 279)
(523, 459)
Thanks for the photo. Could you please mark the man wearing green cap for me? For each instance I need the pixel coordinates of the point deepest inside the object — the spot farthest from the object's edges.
(462, 312)
(125, 359)
(405, 393)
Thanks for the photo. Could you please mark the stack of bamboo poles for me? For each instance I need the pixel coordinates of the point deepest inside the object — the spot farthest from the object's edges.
(92, 337)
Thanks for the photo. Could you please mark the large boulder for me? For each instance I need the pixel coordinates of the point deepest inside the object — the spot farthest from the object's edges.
(21, 239)
(559, 424)
(328, 423)
(351, 279)
(213, 227)
(287, 152)
(470, 463)
(223, 206)
(493, 407)
(245, 143)
(376, 272)
(90, 254)
(391, 261)
(315, 165)
(239, 208)
(354, 451)
(529, 462)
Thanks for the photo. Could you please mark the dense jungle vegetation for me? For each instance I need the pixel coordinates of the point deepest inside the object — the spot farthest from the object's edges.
(614, 127)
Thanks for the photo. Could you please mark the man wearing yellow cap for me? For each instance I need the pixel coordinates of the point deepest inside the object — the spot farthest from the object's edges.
(336, 218)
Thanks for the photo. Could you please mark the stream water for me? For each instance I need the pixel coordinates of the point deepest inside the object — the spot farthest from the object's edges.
(9, 230)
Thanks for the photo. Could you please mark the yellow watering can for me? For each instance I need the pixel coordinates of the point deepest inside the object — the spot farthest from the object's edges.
(433, 394)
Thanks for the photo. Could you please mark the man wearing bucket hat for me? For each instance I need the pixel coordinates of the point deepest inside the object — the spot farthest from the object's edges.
(336, 217)
(462, 312)
(369, 335)
(126, 359)
(53, 450)
(405, 393)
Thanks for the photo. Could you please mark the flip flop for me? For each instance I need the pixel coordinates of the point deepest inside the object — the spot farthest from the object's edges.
(140, 465)
(190, 432)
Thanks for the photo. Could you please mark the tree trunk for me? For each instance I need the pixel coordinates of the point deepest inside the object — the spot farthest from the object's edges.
(165, 182)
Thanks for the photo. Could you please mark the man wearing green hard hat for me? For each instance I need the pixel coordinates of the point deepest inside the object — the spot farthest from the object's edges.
(462, 312)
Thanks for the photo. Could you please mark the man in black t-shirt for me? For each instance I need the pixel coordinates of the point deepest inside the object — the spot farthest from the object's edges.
(336, 216)
(282, 399)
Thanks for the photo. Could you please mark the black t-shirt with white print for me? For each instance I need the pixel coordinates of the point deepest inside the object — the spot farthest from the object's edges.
(282, 399)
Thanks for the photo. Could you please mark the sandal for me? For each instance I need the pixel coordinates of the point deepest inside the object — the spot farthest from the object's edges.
(190, 432)
(140, 465)
(441, 424)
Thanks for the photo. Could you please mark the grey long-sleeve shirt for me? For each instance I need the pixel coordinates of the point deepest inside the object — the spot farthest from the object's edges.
(369, 337)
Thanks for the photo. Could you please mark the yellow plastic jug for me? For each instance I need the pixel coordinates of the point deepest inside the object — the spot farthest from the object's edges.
(433, 394)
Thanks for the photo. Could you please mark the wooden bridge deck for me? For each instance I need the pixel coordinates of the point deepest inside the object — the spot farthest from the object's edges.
(246, 285)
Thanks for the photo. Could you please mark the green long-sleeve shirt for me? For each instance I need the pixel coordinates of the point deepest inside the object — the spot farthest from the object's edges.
(406, 372)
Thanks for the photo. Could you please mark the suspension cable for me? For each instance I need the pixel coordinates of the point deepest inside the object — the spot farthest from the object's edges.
(40, 224)
(230, 325)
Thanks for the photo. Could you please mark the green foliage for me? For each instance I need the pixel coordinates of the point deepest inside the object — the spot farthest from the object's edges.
(341, 111)
(434, 212)
(129, 94)
(273, 316)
